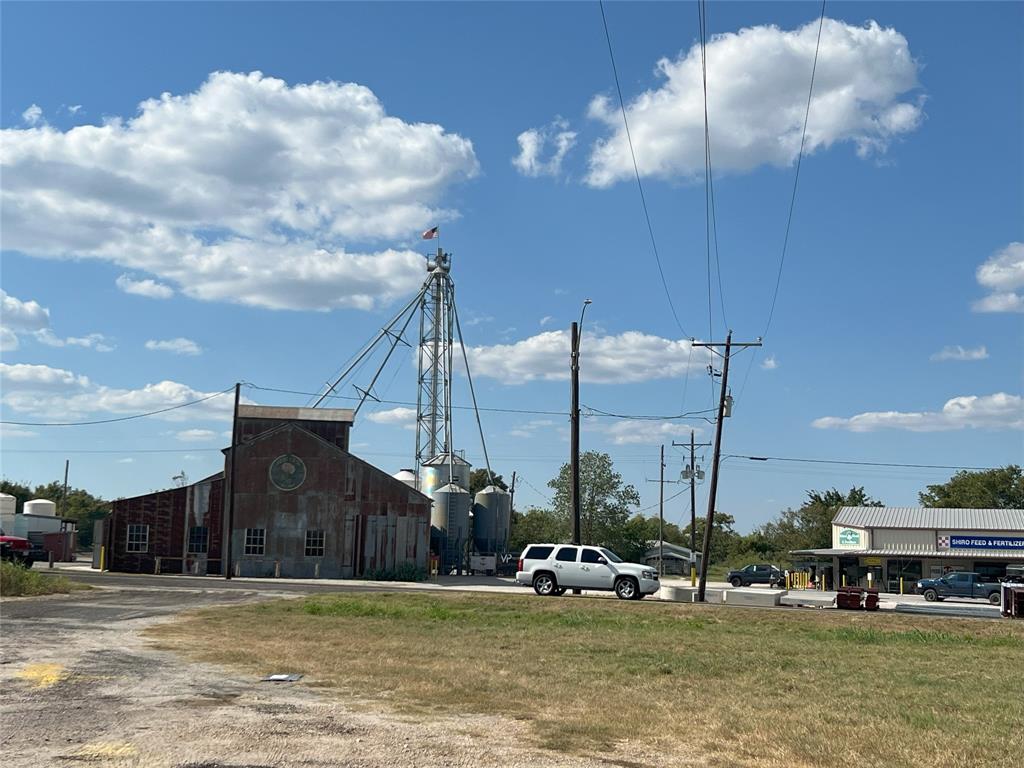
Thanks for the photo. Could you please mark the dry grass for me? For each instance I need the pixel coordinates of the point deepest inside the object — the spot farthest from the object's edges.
(718, 686)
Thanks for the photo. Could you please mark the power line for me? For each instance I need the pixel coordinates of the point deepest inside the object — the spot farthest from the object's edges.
(689, 415)
(119, 418)
(859, 463)
(636, 171)
(796, 177)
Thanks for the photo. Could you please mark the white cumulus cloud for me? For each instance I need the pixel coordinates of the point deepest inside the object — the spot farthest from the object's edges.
(179, 346)
(21, 318)
(757, 93)
(146, 287)
(535, 143)
(1003, 274)
(645, 432)
(33, 115)
(401, 417)
(196, 435)
(769, 363)
(998, 411)
(246, 190)
(612, 359)
(57, 394)
(960, 353)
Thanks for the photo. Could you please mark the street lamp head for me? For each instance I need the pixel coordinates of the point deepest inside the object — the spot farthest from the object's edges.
(587, 301)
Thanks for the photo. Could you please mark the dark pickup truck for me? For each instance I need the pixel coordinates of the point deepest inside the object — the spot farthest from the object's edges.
(756, 574)
(959, 584)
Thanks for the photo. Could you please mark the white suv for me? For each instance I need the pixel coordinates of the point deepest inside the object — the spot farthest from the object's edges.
(553, 568)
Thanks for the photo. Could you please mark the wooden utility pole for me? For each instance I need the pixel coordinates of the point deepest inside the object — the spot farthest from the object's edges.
(661, 514)
(574, 439)
(64, 496)
(512, 494)
(709, 522)
(230, 496)
(692, 471)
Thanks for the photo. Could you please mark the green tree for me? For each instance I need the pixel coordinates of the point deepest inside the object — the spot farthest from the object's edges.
(478, 480)
(535, 526)
(1001, 488)
(724, 538)
(809, 526)
(604, 499)
(82, 506)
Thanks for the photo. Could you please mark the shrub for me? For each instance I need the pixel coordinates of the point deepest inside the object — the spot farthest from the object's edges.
(17, 580)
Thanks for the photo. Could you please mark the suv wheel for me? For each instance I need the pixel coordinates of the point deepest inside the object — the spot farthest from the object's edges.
(736, 581)
(544, 584)
(931, 595)
(626, 588)
(995, 598)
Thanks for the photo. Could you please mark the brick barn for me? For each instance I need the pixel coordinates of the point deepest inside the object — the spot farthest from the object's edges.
(304, 507)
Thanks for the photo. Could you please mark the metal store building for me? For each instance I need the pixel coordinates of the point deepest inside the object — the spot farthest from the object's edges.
(917, 542)
(303, 507)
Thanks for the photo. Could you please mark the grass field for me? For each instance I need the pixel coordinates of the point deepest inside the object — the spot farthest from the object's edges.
(16, 581)
(715, 686)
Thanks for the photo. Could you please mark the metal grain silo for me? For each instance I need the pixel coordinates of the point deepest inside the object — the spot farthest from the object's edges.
(492, 517)
(440, 471)
(407, 476)
(450, 516)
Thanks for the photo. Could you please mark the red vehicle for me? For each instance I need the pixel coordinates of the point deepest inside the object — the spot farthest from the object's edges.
(16, 549)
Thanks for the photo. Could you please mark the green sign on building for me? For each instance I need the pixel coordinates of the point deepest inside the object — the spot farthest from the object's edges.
(849, 537)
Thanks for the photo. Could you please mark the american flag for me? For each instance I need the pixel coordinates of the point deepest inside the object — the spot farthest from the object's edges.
(431, 233)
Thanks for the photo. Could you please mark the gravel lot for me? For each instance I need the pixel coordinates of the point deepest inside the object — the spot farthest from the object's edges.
(79, 686)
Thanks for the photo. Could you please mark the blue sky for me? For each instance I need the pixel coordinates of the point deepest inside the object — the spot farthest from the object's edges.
(261, 227)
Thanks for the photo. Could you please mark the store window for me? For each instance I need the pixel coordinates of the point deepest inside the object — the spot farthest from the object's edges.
(138, 538)
(255, 539)
(314, 543)
(198, 540)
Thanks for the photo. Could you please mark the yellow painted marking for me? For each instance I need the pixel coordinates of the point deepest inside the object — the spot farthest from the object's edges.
(101, 749)
(43, 675)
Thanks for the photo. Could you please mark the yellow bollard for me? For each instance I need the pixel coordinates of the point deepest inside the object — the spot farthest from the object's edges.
(844, 579)
(693, 576)
(901, 585)
(103, 552)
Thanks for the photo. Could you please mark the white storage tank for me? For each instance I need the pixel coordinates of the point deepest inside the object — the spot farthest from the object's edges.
(492, 518)
(8, 504)
(435, 472)
(407, 476)
(41, 507)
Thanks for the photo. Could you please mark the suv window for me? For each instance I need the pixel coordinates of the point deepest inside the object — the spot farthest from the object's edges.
(538, 553)
(750, 569)
(566, 555)
(590, 556)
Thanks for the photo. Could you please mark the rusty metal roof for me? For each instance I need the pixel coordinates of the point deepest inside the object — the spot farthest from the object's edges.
(295, 414)
(938, 518)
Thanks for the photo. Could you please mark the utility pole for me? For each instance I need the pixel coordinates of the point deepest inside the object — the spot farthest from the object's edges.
(574, 425)
(661, 514)
(226, 544)
(512, 494)
(662, 482)
(693, 474)
(64, 496)
(713, 490)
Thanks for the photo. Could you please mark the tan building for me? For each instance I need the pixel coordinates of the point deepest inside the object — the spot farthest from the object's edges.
(883, 544)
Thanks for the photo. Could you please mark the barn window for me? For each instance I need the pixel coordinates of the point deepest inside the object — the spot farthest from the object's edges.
(255, 538)
(138, 538)
(198, 540)
(314, 543)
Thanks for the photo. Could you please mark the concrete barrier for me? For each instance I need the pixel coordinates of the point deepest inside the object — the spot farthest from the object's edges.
(809, 598)
(758, 598)
(689, 594)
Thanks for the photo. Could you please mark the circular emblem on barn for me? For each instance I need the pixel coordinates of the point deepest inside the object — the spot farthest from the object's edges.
(287, 472)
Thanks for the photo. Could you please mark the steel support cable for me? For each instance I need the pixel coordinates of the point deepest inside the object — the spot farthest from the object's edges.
(369, 347)
(636, 171)
(796, 176)
(119, 418)
(792, 199)
(397, 338)
(472, 394)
